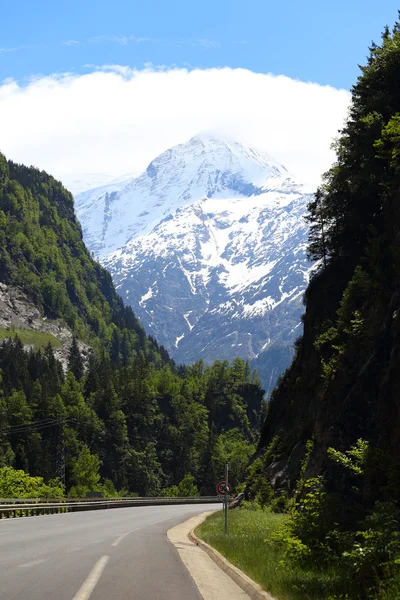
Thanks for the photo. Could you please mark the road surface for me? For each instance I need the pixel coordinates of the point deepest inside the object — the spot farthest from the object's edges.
(121, 553)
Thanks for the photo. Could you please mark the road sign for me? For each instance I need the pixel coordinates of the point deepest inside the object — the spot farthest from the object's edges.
(223, 488)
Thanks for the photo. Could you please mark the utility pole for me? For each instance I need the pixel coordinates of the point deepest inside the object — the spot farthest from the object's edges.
(226, 498)
(60, 453)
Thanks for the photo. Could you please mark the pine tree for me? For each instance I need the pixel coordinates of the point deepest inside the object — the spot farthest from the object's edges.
(75, 362)
(316, 217)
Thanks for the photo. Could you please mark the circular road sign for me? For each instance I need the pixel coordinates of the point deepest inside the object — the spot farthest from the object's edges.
(222, 488)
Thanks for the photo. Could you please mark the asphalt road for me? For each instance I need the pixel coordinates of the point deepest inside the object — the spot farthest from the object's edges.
(120, 553)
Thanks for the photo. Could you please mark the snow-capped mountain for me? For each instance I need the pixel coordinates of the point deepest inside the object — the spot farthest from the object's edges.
(208, 245)
(204, 167)
(89, 181)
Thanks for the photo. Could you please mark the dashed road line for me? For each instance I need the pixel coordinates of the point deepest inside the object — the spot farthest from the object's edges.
(121, 537)
(89, 584)
(32, 563)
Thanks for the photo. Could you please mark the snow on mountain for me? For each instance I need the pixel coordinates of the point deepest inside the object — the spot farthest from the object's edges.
(77, 184)
(204, 167)
(208, 245)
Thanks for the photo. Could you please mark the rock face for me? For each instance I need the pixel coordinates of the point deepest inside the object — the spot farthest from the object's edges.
(208, 246)
(18, 312)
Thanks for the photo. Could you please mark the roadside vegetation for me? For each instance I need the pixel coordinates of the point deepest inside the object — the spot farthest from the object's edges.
(270, 548)
(18, 484)
(255, 545)
(313, 544)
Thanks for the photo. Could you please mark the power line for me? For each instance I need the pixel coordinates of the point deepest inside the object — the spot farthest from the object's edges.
(35, 426)
(60, 454)
(24, 425)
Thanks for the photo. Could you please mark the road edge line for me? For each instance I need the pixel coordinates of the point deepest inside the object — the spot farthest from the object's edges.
(250, 587)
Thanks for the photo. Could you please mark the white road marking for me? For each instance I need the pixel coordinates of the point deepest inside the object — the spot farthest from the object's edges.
(121, 537)
(32, 563)
(161, 521)
(168, 518)
(88, 586)
(74, 549)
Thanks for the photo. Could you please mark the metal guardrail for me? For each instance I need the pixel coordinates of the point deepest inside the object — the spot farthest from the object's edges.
(15, 507)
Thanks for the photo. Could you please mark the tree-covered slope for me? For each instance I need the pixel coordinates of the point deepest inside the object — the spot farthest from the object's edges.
(42, 252)
(140, 428)
(343, 382)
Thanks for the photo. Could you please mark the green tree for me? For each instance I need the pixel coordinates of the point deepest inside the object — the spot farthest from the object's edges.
(187, 486)
(317, 238)
(75, 362)
(18, 484)
(85, 473)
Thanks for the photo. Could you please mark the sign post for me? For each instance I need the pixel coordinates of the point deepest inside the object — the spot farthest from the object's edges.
(223, 488)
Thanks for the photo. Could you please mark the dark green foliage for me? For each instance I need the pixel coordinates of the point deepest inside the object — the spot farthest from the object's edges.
(364, 551)
(318, 243)
(75, 361)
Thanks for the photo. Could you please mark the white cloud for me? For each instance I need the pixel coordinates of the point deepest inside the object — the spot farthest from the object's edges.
(15, 49)
(72, 43)
(115, 119)
(205, 43)
(123, 40)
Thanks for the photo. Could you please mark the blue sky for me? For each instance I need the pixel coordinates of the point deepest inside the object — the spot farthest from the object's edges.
(91, 90)
(311, 40)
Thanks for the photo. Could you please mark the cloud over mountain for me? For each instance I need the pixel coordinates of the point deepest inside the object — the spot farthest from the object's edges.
(115, 119)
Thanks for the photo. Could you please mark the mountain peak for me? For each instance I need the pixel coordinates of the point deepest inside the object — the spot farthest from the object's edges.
(213, 141)
(206, 166)
(208, 245)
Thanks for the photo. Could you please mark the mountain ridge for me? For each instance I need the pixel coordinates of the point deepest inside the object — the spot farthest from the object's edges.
(183, 173)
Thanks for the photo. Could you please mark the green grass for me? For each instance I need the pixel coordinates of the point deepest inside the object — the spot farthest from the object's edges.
(38, 339)
(251, 546)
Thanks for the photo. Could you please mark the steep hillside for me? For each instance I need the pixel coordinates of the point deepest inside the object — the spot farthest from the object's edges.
(20, 316)
(331, 437)
(43, 254)
(343, 381)
(212, 249)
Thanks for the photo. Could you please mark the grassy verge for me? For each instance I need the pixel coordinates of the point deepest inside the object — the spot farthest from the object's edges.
(38, 339)
(251, 546)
